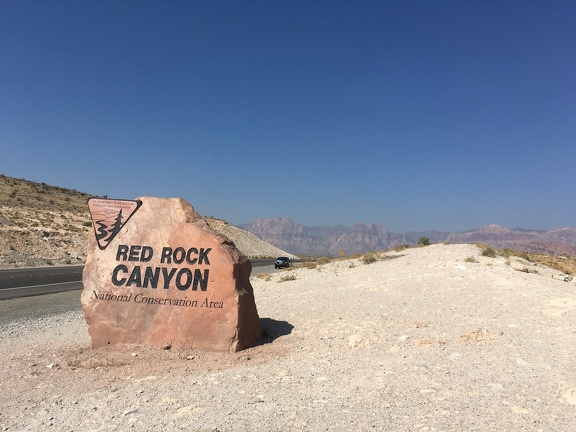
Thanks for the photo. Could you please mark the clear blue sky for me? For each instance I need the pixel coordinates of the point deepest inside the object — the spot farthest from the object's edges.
(414, 115)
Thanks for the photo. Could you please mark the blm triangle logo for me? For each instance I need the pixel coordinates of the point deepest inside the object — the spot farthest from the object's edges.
(109, 217)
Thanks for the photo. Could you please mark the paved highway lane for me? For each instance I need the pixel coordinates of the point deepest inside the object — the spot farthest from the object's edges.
(40, 306)
(33, 276)
(33, 281)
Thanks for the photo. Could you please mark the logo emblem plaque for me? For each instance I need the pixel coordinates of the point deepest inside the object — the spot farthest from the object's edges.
(109, 216)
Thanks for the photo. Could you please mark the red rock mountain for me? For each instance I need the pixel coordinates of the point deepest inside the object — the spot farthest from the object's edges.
(331, 240)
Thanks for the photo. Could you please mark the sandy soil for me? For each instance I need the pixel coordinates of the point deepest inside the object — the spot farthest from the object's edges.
(427, 341)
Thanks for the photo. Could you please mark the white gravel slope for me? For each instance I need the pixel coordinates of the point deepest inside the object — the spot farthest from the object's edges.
(423, 342)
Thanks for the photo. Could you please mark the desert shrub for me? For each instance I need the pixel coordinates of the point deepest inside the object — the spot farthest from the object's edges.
(369, 258)
(524, 255)
(323, 260)
(265, 276)
(401, 247)
(471, 259)
(508, 252)
(489, 251)
(560, 267)
(424, 241)
(309, 265)
(527, 270)
(390, 257)
(287, 277)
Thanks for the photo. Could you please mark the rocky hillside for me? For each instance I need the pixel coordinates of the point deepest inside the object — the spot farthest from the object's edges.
(321, 240)
(331, 240)
(560, 241)
(247, 242)
(48, 225)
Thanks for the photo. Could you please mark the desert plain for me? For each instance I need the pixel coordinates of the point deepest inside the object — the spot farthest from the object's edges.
(436, 338)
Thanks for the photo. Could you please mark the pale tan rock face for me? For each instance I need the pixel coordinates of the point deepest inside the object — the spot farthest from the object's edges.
(167, 279)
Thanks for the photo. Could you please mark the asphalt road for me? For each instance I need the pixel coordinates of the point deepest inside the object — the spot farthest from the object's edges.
(33, 281)
(39, 306)
(32, 276)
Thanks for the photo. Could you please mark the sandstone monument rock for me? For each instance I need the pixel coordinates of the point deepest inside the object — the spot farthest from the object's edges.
(156, 274)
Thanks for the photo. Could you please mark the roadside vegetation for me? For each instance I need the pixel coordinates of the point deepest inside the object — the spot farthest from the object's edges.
(365, 258)
(490, 252)
(424, 241)
(287, 277)
(265, 276)
(564, 264)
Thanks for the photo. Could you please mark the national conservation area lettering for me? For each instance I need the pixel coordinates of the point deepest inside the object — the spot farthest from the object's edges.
(151, 277)
(144, 300)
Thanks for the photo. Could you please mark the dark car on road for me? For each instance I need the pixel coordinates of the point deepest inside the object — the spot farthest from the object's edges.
(282, 262)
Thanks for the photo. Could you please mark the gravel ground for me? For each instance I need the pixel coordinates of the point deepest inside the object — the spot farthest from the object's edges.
(423, 340)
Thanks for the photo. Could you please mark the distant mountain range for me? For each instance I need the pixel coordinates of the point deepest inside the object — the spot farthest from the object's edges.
(333, 240)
